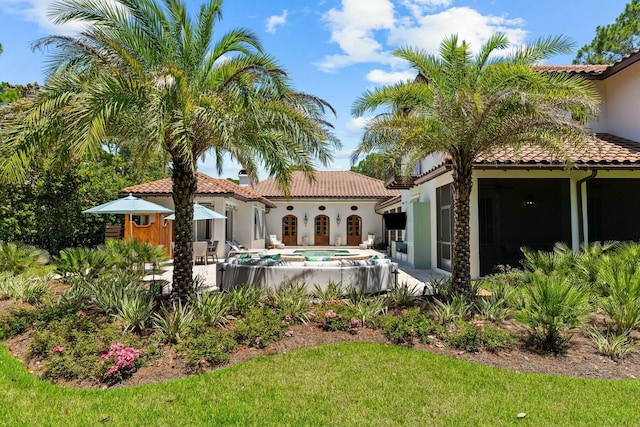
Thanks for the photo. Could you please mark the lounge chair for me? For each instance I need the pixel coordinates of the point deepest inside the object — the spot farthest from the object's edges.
(236, 248)
(274, 242)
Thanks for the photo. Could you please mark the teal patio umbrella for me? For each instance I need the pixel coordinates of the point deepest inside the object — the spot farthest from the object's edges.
(200, 213)
(128, 206)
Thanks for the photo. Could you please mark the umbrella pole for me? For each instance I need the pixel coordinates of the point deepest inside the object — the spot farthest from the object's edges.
(130, 226)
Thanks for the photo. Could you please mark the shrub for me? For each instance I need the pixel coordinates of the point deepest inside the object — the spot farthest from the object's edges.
(244, 298)
(133, 255)
(333, 291)
(173, 323)
(291, 299)
(409, 325)
(212, 308)
(560, 261)
(551, 306)
(17, 258)
(122, 362)
(81, 262)
(206, 346)
(476, 335)
(260, 327)
(613, 344)
(403, 295)
(619, 285)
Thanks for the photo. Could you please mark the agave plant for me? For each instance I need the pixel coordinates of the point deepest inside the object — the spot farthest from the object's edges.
(612, 343)
(243, 298)
(333, 291)
(366, 309)
(134, 311)
(292, 299)
(447, 312)
(173, 323)
(403, 295)
(551, 306)
(356, 294)
(30, 290)
(109, 291)
(17, 258)
(212, 308)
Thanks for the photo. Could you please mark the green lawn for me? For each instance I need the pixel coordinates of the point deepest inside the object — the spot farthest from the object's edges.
(340, 384)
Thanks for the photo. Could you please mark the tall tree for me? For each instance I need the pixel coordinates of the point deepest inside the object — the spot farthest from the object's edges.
(150, 72)
(468, 105)
(614, 41)
(376, 165)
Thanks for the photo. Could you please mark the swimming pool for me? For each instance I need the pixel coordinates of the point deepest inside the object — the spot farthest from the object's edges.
(322, 252)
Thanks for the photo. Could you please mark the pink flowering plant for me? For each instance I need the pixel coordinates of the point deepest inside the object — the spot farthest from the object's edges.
(122, 362)
(339, 318)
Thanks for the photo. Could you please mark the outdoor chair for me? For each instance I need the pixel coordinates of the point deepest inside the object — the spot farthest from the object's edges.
(200, 251)
(212, 251)
(236, 248)
(274, 242)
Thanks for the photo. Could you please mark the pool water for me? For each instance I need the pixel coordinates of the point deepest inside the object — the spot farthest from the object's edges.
(322, 253)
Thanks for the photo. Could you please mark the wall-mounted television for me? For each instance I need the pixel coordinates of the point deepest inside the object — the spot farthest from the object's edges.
(395, 221)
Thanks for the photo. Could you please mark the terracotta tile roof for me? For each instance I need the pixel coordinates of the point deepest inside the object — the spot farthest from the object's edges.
(206, 186)
(605, 150)
(594, 71)
(577, 69)
(329, 184)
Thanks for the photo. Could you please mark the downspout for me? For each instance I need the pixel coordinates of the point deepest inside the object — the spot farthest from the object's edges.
(594, 172)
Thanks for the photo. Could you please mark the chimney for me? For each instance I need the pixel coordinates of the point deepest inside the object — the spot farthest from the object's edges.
(243, 178)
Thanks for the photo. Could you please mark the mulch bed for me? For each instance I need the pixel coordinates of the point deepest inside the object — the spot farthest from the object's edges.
(580, 360)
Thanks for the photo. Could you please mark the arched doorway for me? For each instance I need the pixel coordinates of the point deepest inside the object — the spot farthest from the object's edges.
(354, 230)
(290, 230)
(321, 230)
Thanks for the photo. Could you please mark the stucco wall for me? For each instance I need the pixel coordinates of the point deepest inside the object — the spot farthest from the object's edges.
(622, 109)
(371, 221)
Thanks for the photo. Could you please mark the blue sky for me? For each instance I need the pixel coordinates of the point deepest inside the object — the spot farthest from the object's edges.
(336, 49)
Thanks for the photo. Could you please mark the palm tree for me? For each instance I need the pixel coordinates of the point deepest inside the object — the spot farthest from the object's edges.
(149, 72)
(468, 105)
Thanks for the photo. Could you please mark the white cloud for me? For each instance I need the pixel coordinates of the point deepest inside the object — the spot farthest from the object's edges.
(37, 11)
(389, 77)
(353, 28)
(369, 30)
(357, 124)
(275, 21)
(428, 31)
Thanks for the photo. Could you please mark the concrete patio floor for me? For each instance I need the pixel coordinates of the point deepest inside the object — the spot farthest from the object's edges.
(205, 274)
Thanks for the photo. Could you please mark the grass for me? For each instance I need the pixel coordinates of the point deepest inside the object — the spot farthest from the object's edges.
(338, 384)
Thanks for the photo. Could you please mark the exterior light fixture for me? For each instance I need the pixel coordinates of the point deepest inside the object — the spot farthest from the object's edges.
(338, 219)
(305, 219)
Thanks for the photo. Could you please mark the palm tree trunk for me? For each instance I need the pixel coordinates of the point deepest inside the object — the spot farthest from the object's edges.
(184, 188)
(461, 265)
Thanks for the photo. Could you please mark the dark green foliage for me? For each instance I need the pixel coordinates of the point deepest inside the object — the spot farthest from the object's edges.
(551, 306)
(409, 325)
(260, 327)
(477, 335)
(206, 345)
(46, 210)
(83, 262)
(614, 41)
(377, 165)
